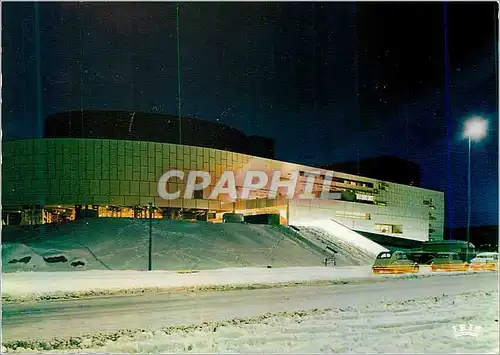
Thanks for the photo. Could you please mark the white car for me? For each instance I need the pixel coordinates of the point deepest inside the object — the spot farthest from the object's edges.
(485, 261)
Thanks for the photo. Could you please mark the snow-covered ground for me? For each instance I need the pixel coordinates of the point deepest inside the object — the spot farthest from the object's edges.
(122, 244)
(27, 284)
(342, 308)
(71, 284)
(347, 252)
(339, 232)
(402, 327)
(395, 316)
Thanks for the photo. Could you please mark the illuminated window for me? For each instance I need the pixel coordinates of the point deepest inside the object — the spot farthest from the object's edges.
(383, 228)
(353, 215)
(352, 182)
(389, 228)
(364, 197)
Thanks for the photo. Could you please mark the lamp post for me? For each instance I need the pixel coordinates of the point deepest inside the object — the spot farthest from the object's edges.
(150, 249)
(475, 130)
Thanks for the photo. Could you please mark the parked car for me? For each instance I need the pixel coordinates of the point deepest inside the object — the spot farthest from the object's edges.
(451, 246)
(485, 261)
(448, 262)
(394, 262)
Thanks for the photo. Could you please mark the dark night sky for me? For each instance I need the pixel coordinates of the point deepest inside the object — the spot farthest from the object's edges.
(329, 82)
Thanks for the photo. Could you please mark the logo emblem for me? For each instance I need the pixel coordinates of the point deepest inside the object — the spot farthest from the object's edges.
(466, 330)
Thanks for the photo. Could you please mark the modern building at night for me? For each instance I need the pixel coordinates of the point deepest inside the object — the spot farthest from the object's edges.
(87, 169)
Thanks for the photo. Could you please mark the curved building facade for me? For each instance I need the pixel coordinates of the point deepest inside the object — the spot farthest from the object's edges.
(48, 179)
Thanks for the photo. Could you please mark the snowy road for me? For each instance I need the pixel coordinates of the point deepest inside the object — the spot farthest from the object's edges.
(62, 319)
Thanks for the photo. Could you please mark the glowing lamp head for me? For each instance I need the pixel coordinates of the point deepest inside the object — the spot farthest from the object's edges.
(475, 128)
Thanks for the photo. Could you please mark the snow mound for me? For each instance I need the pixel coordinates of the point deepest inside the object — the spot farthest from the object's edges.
(345, 253)
(340, 234)
(122, 244)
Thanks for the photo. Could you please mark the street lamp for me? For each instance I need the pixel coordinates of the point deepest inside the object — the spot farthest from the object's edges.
(150, 249)
(475, 130)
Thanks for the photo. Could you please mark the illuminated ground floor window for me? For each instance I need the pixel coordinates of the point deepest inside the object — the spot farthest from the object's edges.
(388, 228)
